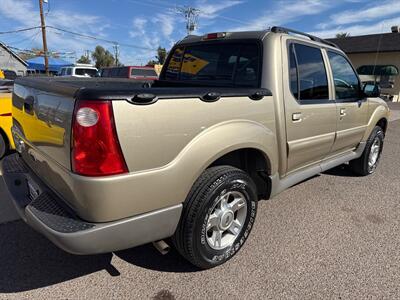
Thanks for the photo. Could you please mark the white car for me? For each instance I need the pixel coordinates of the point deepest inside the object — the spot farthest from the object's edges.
(78, 71)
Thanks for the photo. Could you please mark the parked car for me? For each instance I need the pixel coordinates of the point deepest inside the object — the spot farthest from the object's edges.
(80, 70)
(132, 72)
(235, 118)
(6, 140)
(8, 74)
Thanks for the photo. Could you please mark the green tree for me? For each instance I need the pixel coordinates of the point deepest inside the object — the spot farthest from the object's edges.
(161, 55)
(152, 62)
(84, 60)
(102, 57)
(342, 35)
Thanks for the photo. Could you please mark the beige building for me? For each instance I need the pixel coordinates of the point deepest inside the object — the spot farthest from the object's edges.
(376, 58)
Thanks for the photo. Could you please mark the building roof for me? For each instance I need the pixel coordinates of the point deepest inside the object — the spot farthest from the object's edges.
(13, 54)
(55, 64)
(387, 42)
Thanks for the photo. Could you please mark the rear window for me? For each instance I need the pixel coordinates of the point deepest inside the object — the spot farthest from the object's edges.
(143, 72)
(83, 71)
(216, 64)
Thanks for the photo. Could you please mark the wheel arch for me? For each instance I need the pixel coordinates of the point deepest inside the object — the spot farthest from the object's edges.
(379, 117)
(382, 123)
(5, 138)
(254, 162)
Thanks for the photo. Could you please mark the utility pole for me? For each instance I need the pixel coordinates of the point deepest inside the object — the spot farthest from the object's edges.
(116, 51)
(46, 58)
(191, 15)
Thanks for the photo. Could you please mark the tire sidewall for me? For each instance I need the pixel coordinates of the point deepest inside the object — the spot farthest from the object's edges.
(3, 146)
(204, 251)
(378, 132)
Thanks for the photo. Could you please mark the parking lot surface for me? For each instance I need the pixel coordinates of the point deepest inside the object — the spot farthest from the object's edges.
(332, 236)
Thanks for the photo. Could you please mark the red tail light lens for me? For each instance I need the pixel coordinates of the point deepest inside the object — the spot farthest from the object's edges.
(95, 147)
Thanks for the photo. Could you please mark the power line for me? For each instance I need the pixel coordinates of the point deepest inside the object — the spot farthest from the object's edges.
(20, 30)
(98, 38)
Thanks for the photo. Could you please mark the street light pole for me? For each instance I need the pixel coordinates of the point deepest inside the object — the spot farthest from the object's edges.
(43, 24)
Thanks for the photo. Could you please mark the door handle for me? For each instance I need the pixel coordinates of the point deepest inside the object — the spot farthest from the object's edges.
(342, 112)
(296, 117)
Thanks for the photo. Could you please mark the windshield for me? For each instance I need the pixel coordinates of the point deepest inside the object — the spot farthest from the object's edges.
(83, 71)
(229, 65)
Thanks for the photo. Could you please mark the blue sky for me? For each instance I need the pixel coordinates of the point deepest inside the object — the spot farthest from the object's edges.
(149, 23)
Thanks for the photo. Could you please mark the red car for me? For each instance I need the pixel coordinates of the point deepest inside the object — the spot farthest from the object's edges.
(133, 72)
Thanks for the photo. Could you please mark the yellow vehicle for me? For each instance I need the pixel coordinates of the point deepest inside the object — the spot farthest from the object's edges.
(6, 140)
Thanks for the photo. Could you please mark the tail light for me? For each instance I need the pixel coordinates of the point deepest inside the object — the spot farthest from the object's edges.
(95, 147)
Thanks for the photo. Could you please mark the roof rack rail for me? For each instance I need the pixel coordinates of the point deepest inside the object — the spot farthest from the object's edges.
(278, 29)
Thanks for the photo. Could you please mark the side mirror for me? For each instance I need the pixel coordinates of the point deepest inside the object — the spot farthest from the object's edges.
(371, 90)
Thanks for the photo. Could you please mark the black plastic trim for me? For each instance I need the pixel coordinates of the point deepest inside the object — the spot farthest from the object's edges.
(277, 29)
(95, 89)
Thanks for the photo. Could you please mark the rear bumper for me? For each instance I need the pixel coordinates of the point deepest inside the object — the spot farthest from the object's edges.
(51, 217)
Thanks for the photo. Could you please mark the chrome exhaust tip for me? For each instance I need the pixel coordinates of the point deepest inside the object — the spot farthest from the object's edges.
(162, 247)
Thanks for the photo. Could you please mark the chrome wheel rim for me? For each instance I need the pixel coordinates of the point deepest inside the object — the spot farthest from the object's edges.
(374, 154)
(226, 219)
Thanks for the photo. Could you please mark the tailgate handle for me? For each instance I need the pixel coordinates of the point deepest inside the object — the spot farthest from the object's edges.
(28, 105)
(144, 99)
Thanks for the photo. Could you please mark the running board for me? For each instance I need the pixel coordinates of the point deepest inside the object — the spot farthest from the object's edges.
(281, 184)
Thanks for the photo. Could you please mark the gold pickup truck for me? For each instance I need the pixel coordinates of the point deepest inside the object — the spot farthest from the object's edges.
(235, 117)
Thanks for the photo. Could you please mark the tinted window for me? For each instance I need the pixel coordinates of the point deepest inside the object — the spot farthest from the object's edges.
(114, 72)
(123, 72)
(8, 74)
(347, 85)
(174, 65)
(143, 72)
(312, 79)
(216, 64)
(68, 71)
(88, 72)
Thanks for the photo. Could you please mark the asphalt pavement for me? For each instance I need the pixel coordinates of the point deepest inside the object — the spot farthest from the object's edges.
(333, 236)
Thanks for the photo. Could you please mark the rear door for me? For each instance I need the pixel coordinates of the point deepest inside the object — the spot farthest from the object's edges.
(352, 109)
(310, 110)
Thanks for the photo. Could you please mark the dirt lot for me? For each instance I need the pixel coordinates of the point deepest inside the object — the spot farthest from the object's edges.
(333, 236)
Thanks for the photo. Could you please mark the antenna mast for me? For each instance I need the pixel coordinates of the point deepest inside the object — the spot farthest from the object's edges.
(191, 15)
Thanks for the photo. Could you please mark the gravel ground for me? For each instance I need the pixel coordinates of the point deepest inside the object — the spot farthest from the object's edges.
(333, 236)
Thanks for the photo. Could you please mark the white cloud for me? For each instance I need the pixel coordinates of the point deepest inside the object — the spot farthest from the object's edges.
(166, 23)
(23, 14)
(209, 10)
(286, 11)
(368, 13)
(359, 29)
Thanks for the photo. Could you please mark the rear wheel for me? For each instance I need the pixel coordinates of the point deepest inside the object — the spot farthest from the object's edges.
(369, 160)
(3, 146)
(218, 216)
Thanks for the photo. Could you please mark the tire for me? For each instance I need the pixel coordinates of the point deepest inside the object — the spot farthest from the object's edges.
(3, 146)
(218, 215)
(369, 160)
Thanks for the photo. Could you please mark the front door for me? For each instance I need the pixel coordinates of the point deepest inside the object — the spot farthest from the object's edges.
(309, 106)
(352, 109)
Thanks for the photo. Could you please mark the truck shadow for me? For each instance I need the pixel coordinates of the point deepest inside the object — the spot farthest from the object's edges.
(342, 171)
(29, 261)
(149, 258)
